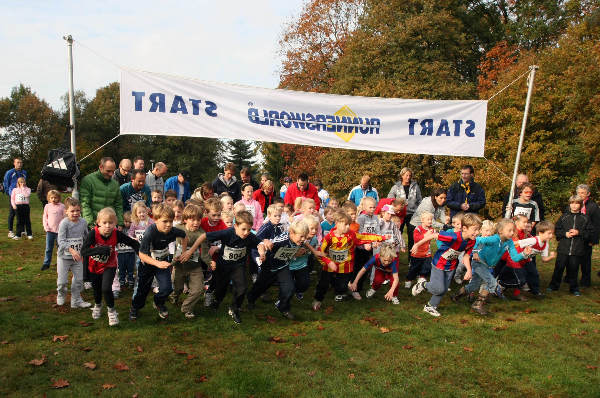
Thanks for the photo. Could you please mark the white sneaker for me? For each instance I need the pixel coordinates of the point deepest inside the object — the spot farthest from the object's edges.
(155, 290)
(97, 311)
(87, 285)
(60, 299)
(11, 234)
(113, 317)
(407, 284)
(16, 237)
(421, 279)
(189, 315)
(526, 288)
(356, 296)
(370, 293)
(316, 305)
(339, 297)
(458, 280)
(418, 288)
(30, 237)
(385, 282)
(116, 293)
(254, 277)
(395, 300)
(80, 304)
(431, 310)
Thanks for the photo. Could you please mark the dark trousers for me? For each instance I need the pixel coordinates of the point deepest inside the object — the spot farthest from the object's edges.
(146, 274)
(410, 229)
(571, 263)
(418, 267)
(532, 276)
(338, 281)
(102, 284)
(23, 220)
(266, 278)
(361, 256)
(586, 267)
(126, 266)
(11, 216)
(237, 275)
(512, 277)
(301, 279)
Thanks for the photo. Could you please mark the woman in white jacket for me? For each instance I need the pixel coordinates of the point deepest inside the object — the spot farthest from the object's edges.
(434, 204)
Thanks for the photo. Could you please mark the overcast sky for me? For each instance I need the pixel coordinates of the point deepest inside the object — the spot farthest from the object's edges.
(228, 41)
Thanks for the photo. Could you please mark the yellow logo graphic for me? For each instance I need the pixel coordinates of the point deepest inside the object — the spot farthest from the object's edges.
(345, 111)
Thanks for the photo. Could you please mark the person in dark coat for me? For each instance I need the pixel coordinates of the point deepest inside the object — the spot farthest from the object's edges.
(226, 182)
(465, 195)
(590, 209)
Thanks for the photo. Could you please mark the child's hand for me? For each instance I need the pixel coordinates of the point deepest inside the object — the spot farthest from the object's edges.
(388, 296)
(574, 232)
(368, 247)
(447, 220)
(527, 250)
(319, 253)
(353, 286)
(468, 275)
(476, 257)
(213, 265)
(213, 250)
(262, 257)
(163, 264)
(332, 266)
(76, 255)
(185, 256)
(268, 244)
(414, 250)
(552, 256)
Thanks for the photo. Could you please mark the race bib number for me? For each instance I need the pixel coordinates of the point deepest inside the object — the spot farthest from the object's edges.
(74, 243)
(285, 254)
(251, 210)
(525, 211)
(234, 253)
(195, 256)
(20, 198)
(160, 255)
(122, 247)
(139, 234)
(370, 228)
(338, 256)
(101, 258)
(451, 254)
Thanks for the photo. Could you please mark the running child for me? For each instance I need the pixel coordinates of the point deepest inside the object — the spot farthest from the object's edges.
(299, 266)
(227, 217)
(512, 274)
(368, 224)
(420, 254)
(386, 268)
(71, 233)
(328, 223)
(99, 247)
(126, 256)
(54, 212)
(210, 223)
(388, 227)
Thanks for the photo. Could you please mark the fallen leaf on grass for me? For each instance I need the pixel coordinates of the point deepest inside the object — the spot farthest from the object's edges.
(351, 376)
(201, 379)
(320, 327)
(276, 339)
(408, 347)
(583, 320)
(60, 383)
(296, 334)
(89, 365)
(190, 357)
(59, 338)
(384, 330)
(38, 362)
(108, 386)
(430, 368)
(85, 324)
(499, 328)
(136, 395)
(530, 310)
(463, 321)
(4, 342)
(34, 317)
(329, 310)
(270, 319)
(469, 349)
(418, 317)
(121, 367)
(8, 298)
(280, 354)
(591, 367)
(178, 351)
(311, 373)
(139, 349)
(86, 349)
(19, 269)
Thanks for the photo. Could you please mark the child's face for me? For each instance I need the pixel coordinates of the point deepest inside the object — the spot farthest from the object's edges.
(507, 232)
(521, 223)
(575, 207)
(192, 224)
(279, 207)
(106, 225)
(54, 199)
(427, 221)
(21, 184)
(208, 194)
(352, 214)
(546, 236)
(178, 212)
(312, 231)
(369, 207)
(247, 192)
(386, 216)
(308, 208)
(164, 225)
(287, 210)
(142, 213)
(528, 227)
(213, 216)
(398, 208)
(486, 231)
(342, 227)
(297, 238)
(156, 197)
(127, 223)
(333, 204)
(73, 213)
(470, 232)
(170, 201)
(386, 260)
(228, 221)
(275, 217)
(242, 230)
(227, 204)
(526, 194)
(456, 224)
(329, 217)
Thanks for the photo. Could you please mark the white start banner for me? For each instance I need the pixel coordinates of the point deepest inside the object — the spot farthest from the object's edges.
(158, 104)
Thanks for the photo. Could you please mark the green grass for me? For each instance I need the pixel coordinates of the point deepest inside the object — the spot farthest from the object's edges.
(534, 349)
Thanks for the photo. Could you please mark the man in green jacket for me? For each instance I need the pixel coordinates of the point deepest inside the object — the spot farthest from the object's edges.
(98, 190)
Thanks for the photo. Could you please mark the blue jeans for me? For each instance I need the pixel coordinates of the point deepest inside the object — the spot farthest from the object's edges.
(51, 238)
(146, 273)
(126, 266)
(438, 285)
(481, 273)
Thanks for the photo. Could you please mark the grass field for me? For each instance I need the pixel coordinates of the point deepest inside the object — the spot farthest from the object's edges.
(371, 348)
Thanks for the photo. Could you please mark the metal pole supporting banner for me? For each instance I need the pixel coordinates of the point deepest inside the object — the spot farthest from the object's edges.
(69, 40)
(532, 70)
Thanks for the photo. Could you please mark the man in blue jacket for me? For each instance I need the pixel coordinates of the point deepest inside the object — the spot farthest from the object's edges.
(9, 183)
(465, 195)
(362, 190)
(180, 184)
(135, 190)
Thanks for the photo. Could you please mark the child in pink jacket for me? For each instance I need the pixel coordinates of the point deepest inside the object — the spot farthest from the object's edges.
(19, 200)
(54, 212)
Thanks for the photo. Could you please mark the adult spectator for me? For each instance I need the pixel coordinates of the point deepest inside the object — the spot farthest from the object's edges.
(154, 178)
(98, 190)
(264, 177)
(410, 191)
(302, 188)
(536, 197)
(9, 183)
(136, 190)
(226, 182)
(43, 188)
(180, 184)
(323, 194)
(591, 209)
(122, 173)
(286, 183)
(264, 195)
(246, 177)
(466, 195)
(364, 189)
(138, 163)
(434, 204)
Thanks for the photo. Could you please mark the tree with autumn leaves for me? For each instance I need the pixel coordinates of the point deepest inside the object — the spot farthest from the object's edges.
(436, 49)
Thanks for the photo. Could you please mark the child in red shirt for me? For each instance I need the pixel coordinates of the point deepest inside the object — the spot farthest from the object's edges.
(420, 254)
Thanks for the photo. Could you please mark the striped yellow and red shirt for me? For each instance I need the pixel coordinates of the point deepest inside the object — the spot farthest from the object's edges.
(340, 250)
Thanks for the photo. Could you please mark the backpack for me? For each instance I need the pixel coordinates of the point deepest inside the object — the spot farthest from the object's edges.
(61, 169)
